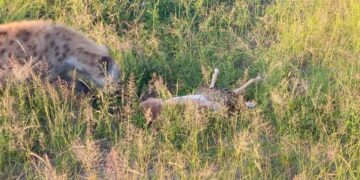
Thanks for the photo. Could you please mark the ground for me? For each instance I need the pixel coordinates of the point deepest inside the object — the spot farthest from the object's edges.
(306, 124)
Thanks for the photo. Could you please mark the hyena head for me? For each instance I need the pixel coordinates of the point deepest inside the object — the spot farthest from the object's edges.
(97, 69)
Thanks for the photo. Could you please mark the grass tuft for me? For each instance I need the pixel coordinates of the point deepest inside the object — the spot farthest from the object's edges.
(306, 124)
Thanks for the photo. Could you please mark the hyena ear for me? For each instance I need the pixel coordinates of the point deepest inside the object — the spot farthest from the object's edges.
(105, 62)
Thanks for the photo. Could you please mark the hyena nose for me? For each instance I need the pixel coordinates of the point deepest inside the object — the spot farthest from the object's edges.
(113, 72)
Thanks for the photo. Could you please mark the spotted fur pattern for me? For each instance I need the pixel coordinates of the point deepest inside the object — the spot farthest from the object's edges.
(62, 47)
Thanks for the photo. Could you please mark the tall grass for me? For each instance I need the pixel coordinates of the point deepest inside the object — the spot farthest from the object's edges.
(306, 124)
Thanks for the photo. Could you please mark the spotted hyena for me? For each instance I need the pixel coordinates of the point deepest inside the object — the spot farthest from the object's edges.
(63, 48)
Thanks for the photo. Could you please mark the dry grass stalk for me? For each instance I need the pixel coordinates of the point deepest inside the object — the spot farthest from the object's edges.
(44, 168)
(115, 165)
(19, 70)
(88, 154)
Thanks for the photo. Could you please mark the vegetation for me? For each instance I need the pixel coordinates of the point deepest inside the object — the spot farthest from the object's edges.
(306, 124)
